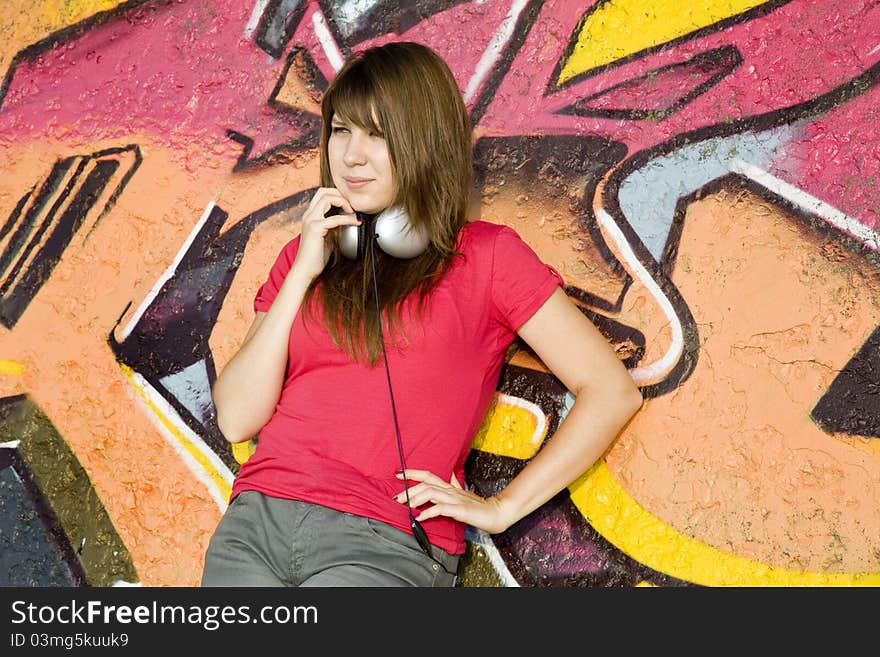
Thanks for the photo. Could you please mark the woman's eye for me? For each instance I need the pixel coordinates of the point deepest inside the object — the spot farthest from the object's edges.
(338, 129)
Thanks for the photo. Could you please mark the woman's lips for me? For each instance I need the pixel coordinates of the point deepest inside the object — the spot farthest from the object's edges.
(355, 183)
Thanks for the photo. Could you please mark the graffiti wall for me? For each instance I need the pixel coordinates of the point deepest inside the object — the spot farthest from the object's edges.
(704, 175)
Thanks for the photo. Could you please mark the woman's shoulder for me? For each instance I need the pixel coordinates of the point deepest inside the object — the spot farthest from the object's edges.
(477, 233)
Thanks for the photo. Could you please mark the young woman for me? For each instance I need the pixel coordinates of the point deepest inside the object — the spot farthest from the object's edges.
(364, 424)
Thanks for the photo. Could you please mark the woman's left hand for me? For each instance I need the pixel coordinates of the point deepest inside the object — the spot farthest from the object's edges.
(451, 500)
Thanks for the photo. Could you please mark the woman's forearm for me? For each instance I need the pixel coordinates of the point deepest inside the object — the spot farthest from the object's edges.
(248, 388)
(590, 427)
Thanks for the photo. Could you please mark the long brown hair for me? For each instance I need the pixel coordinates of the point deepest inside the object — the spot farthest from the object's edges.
(407, 93)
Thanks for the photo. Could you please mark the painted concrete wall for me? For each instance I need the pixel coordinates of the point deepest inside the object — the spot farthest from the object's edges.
(703, 174)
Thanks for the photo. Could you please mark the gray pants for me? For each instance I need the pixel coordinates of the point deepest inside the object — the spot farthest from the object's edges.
(266, 541)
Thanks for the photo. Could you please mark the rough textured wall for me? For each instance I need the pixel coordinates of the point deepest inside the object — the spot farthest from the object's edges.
(704, 175)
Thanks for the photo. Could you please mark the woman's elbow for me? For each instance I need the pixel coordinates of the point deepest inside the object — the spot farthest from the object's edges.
(629, 398)
(634, 399)
(233, 432)
(236, 424)
(626, 397)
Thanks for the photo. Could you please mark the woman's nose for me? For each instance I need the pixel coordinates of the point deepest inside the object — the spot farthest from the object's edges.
(354, 150)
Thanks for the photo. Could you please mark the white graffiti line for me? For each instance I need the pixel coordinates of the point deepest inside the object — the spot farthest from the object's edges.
(325, 38)
(531, 408)
(484, 540)
(259, 9)
(493, 50)
(195, 453)
(12, 444)
(659, 367)
(809, 203)
(169, 272)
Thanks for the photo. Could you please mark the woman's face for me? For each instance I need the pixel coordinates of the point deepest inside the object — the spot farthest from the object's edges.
(360, 165)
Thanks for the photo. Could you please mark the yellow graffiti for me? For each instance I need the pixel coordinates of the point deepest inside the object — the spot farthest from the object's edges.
(23, 22)
(217, 478)
(242, 451)
(633, 530)
(61, 13)
(11, 367)
(652, 542)
(512, 427)
(620, 28)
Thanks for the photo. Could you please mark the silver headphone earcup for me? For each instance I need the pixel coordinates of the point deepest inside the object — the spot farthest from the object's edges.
(396, 237)
(348, 241)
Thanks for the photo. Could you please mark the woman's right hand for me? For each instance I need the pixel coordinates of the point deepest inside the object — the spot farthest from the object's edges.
(314, 247)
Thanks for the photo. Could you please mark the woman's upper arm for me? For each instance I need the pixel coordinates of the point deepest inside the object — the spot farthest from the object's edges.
(258, 319)
(572, 348)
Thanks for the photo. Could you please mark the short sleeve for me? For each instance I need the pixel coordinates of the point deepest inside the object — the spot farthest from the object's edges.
(521, 281)
(269, 289)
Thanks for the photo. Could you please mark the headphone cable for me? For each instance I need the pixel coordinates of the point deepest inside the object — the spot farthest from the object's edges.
(418, 531)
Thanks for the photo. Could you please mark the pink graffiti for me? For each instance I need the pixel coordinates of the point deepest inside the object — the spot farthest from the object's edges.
(791, 56)
(183, 71)
(189, 73)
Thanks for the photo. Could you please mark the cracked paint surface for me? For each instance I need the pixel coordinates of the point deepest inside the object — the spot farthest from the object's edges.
(705, 181)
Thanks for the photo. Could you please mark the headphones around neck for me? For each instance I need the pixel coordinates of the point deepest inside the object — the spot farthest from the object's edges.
(392, 232)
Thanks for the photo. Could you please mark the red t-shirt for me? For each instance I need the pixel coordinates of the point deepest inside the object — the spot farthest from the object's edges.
(331, 440)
